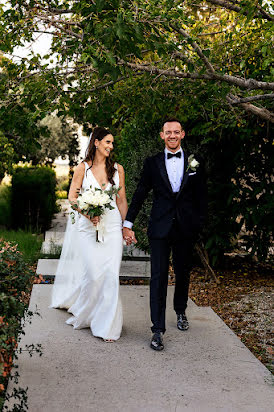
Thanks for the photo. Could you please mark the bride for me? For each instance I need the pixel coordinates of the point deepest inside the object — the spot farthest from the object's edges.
(87, 277)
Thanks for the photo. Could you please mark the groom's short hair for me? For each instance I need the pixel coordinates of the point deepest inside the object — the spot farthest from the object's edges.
(171, 119)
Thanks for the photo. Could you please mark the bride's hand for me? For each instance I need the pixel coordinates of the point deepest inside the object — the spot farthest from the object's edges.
(95, 220)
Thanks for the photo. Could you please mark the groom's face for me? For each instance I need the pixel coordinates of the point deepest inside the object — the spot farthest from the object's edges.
(172, 134)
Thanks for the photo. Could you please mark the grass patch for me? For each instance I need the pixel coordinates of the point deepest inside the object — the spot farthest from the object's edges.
(28, 243)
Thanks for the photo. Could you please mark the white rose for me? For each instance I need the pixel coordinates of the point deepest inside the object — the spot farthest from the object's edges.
(96, 198)
(88, 197)
(193, 163)
(104, 199)
(82, 204)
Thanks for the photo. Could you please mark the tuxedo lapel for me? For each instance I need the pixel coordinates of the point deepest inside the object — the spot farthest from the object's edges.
(186, 174)
(163, 171)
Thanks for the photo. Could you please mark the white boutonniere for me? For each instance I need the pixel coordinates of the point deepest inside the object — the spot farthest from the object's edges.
(192, 163)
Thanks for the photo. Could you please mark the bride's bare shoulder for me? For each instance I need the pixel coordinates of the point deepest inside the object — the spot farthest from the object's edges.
(80, 169)
(120, 168)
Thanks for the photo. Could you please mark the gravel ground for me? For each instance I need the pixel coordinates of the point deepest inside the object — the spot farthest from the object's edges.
(245, 301)
(256, 313)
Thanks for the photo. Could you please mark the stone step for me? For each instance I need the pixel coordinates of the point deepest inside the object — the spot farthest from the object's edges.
(56, 237)
(51, 248)
(54, 240)
(205, 369)
(133, 252)
(58, 225)
(129, 269)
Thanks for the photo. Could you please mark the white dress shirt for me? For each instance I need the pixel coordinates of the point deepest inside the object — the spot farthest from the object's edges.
(175, 169)
(175, 172)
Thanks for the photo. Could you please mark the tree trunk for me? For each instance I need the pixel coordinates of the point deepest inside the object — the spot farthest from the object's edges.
(202, 253)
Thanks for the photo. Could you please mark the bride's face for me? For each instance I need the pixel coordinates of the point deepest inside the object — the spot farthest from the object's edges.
(105, 146)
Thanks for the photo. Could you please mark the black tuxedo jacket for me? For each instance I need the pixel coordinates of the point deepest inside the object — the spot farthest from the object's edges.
(187, 207)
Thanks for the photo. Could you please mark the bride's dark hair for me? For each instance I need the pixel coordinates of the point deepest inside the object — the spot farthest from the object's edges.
(99, 133)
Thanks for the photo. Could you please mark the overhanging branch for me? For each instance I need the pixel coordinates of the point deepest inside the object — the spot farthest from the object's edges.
(249, 84)
(231, 5)
(238, 100)
(195, 46)
(168, 72)
(263, 113)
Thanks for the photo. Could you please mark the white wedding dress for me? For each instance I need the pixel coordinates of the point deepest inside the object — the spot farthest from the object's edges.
(87, 278)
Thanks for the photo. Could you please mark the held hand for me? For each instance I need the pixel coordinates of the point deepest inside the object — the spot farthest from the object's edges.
(95, 220)
(129, 236)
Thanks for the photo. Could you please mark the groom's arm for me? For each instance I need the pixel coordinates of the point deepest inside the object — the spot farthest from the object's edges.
(143, 188)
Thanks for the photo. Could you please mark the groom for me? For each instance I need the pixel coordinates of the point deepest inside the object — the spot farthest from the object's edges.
(177, 215)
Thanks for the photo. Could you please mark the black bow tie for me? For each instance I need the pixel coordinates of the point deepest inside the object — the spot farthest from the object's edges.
(170, 155)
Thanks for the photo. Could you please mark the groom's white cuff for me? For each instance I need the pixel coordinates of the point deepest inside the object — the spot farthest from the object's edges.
(127, 224)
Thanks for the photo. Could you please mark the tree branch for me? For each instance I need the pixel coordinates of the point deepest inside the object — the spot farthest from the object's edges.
(169, 72)
(53, 10)
(260, 8)
(237, 100)
(212, 33)
(56, 24)
(263, 113)
(94, 89)
(249, 84)
(196, 47)
(181, 56)
(234, 7)
(264, 13)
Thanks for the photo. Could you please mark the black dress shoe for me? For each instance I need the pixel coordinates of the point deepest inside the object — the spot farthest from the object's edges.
(182, 322)
(157, 341)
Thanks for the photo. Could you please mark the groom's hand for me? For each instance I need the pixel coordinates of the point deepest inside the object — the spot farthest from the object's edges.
(129, 236)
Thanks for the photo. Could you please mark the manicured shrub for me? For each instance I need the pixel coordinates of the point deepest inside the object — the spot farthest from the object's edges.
(33, 199)
(61, 194)
(63, 183)
(5, 210)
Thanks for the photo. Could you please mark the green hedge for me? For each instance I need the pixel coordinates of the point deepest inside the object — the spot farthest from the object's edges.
(33, 199)
(5, 213)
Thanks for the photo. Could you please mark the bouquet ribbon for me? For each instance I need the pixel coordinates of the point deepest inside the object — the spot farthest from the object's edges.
(100, 231)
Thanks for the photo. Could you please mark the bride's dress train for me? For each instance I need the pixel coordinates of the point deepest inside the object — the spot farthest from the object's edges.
(87, 278)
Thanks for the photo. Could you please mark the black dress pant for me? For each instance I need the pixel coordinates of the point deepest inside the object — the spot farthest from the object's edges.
(182, 252)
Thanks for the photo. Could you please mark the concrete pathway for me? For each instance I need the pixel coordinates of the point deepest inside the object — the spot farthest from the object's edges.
(206, 369)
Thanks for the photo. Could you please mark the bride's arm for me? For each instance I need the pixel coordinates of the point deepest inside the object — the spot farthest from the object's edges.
(122, 200)
(76, 184)
(75, 187)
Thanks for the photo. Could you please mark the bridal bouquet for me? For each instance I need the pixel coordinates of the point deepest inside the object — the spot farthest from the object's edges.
(94, 202)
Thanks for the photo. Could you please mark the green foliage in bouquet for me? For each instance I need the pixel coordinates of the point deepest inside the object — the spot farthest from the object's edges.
(33, 200)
